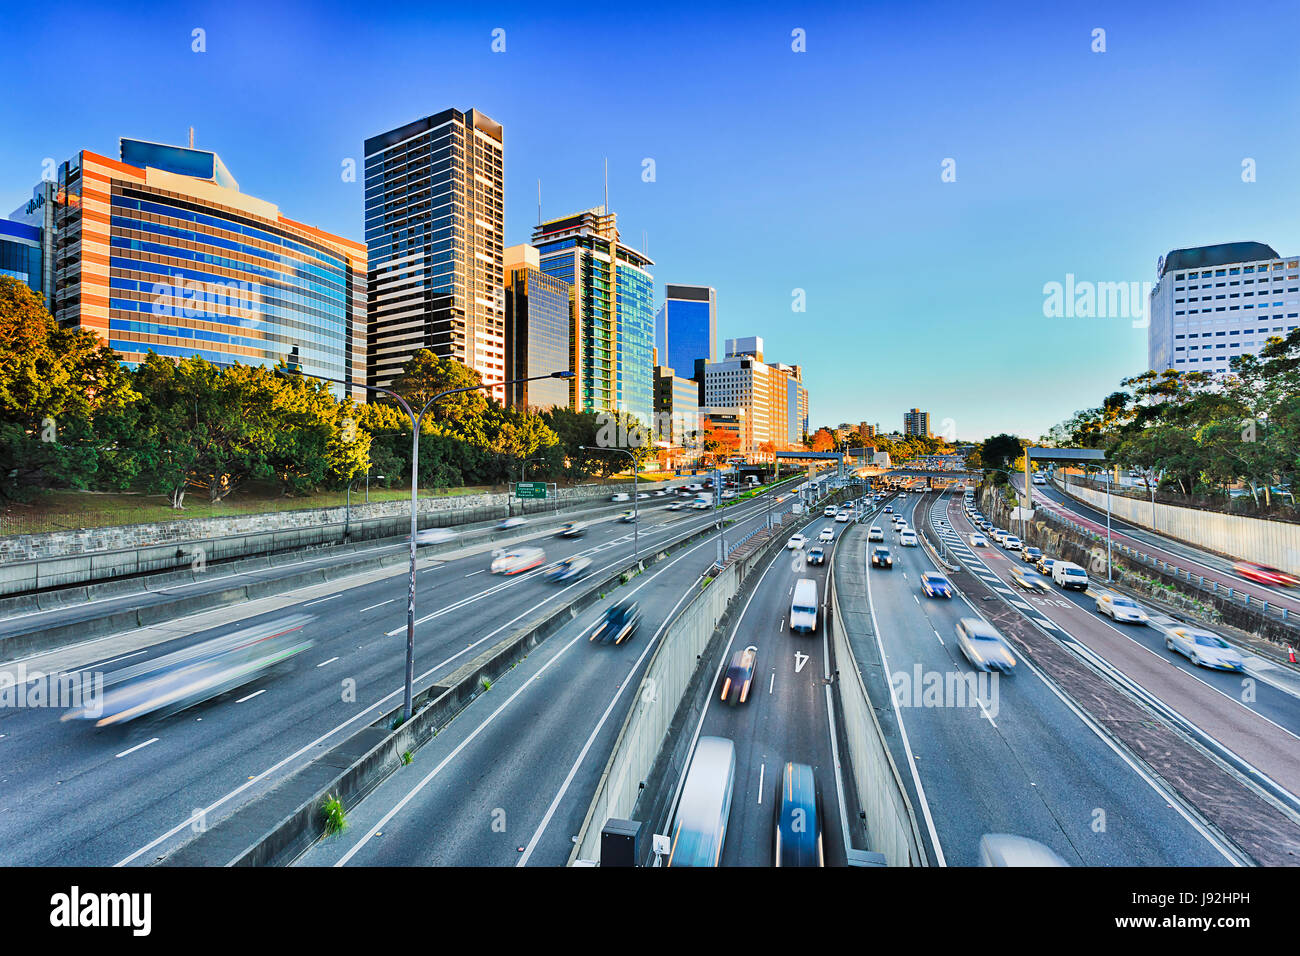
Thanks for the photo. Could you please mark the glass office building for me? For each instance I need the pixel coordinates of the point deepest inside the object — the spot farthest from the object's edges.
(435, 221)
(612, 339)
(160, 252)
(21, 256)
(538, 311)
(686, 326)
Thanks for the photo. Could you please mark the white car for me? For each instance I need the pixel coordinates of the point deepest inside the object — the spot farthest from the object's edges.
(796, 542)
(676, 506)
(660, 493)
(1120, 608)
(434, 536)
(829, 512)
(512, 523)
(621, 496)
(843, 517)
(999, 535)
(1204, 649)
(907, 538)
(516, 560)
(698, 505)
(1011, 543)
(828, 534)
(978, 540)
(875, 534)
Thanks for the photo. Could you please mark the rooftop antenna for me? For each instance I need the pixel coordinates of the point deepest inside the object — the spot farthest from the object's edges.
(606, 208)
(191, 137)
(539, 202)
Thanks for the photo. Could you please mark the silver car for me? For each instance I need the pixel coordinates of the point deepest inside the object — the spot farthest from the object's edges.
(1204, 649)
(1120, 608)
(983, 646)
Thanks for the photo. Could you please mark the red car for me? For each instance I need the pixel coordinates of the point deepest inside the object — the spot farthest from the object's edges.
(1263, 574)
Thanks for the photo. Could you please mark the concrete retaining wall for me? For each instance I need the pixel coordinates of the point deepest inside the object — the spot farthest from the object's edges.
(1275, 543)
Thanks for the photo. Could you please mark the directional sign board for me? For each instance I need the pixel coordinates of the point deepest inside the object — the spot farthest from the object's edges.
(530, 489)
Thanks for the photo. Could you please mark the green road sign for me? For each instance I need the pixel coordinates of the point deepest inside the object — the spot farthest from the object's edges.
(530, 489)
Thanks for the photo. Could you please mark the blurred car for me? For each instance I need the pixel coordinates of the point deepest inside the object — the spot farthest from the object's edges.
(999, 535)
(433, 536)
(828, 534)
(843, 517)
(677, 506)
(739, 676)
(509, 523)
(817, 555)
(1011, 543)
(572, 529)
(1030, 581)
(983, 646)
(1006, 849)
(907, 538)
(700, 505)
(1120, 608)
(641, 495)
(881, 558)
(889, 509)
(875, 534)
(627, 517)
(621, 496)
(797, 830)
(618, 624)
(192, 675)
(569, 569)
(660, 493)
(1044, 565)
(935, 585)
(1204, 649)
(829, 511)
(796, 542)
(978, 540)
(1263, 574)
(1031, 555)
(516, 560)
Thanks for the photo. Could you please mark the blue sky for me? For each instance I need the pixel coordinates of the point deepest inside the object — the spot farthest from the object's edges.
(775, 170)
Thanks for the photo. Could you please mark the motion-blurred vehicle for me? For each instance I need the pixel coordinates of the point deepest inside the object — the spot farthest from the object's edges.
(1029, 580)
(1005, 849)
(516, 560)
(739, 676)
(676, 506)
(803, 606)
(1120, 608)
(1031, 555)
(700, 826)
(569, 569)
(1067, 574)
(572, 529)
(618, 624)
(875, 534)
(999, 535)
(621, 496)
(889, 510)
(827, 534)
(978, 540)
(881, 558)
(627, 517)
(1263, 574)
(433, 536)
(797, 830)
(515, 522)
(1204, 649)
(843, 517)
(642, 495)
(182, 679)
(817, 555)
(659, 493)
(1011, 543)
(796, 542)
(983, 646)
(1045, 565)
(935, 585)
(829, 511)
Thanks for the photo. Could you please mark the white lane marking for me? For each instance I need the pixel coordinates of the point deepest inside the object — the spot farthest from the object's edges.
(111, 660)
(936, 634)
(916, 599)
(322, 600)
(152, 740)
(330, 661)
(251, 696)
(472, 573)
(762, 769)
(373, 606)
(771, 683)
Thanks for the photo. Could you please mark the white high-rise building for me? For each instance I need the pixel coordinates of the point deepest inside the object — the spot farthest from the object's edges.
(772, 395)
(1211, 303)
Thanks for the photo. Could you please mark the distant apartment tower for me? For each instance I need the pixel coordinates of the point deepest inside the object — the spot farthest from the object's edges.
(686, 327)
(1212, 303)
(612, 337)
(916, 424)
(159, 251)
(771, 395)
(537, 331)
(435, 221)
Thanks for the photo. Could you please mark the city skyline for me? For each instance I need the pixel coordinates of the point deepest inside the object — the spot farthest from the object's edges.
(1093, 187)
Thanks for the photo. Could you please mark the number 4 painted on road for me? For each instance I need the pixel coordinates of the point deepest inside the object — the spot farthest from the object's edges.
(800, 659)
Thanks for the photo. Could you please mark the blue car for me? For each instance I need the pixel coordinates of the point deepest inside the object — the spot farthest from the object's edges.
(935, 585)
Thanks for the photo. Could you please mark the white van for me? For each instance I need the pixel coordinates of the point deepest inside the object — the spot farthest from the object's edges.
(1068, 575)
(803, 606)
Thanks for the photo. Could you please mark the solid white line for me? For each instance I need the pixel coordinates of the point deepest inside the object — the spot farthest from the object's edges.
(762, 769)
(323, 600)
(380, 604)
(251, 696)
(330, 661)
(771, 683)
(472, 573)
(138, 746)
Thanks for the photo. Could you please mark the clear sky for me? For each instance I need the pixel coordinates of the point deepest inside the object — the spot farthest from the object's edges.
(774, 170)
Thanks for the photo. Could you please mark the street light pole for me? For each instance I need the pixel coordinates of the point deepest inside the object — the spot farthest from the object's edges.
(1108, 576)
(636, 498)
(416, 421)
